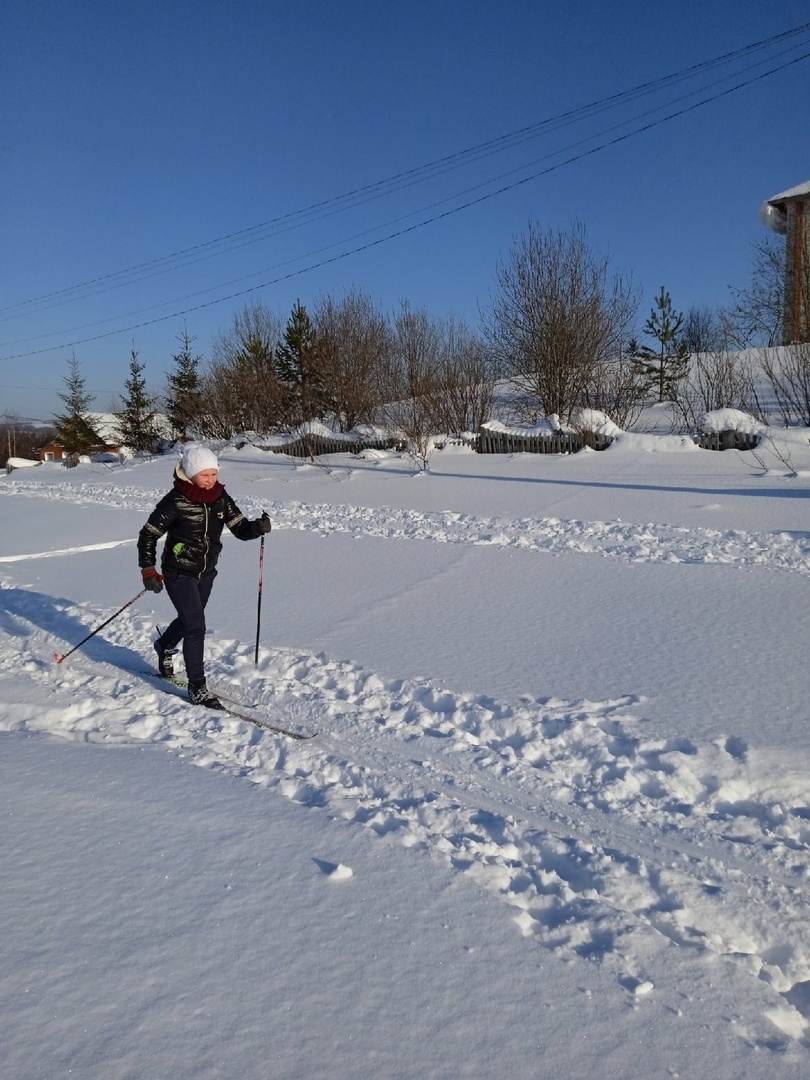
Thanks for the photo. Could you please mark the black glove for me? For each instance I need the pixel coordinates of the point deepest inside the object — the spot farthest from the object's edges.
(152, 579)
(264, 523)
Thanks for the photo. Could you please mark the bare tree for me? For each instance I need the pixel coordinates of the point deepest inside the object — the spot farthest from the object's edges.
(717, 380)
(556, 315)
(9, 430)
(22, 438)
(787, 369)
(703, 331)
(354, 339)
(241, 390)
(756, 316)
(411, 379)
(224, 410)
(618, 389)
(466, 384)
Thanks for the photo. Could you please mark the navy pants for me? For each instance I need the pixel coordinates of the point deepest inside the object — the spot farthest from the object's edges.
(189, 596)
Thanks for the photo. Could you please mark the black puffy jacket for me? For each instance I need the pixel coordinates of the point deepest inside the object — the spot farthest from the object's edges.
(194, 528)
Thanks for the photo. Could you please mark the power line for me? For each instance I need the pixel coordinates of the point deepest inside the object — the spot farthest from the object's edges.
(360, 196)
(411, 214)
(421, 224)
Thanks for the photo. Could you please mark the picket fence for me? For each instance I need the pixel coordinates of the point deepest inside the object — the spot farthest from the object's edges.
(727, 440)
(555, 442)
(561, 442)
(315, 445)
(488, 441)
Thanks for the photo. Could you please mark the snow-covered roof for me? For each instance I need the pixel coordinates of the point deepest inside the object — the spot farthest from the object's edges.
(106, 425)
(791, 193)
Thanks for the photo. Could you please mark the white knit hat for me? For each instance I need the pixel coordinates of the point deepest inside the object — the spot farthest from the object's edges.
(196, 458)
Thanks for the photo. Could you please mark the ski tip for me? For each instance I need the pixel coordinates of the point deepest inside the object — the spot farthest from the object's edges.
(58, 657)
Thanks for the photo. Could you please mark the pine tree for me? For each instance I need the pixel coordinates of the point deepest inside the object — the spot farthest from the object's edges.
(256, 357)
(298, 368)
(136, 420)
(665, 364)
(76, 432)
(184, 390)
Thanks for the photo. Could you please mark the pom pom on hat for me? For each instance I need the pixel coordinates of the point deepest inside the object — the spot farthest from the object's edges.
(196, 459)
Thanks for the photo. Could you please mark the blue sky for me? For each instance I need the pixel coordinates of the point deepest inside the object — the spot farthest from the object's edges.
(135, 132)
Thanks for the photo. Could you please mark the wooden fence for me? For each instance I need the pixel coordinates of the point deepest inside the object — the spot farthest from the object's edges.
(727, 440)
(488, 441)
(561, 442)
(305, 446)
(554, 442)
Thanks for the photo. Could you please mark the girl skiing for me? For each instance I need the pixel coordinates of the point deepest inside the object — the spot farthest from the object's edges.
(192, 515)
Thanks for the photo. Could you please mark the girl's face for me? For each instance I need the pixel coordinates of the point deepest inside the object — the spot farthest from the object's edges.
(205, 479)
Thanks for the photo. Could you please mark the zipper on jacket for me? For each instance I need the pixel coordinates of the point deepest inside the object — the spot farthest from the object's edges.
(205, 541)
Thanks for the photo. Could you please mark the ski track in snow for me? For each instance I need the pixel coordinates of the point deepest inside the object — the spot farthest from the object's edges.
(607, 844)
(632, 542)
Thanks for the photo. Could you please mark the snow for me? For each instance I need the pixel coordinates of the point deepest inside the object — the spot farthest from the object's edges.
(20, 463)
(597, 421)
(732, 420)
(555, 818)
(792, 193)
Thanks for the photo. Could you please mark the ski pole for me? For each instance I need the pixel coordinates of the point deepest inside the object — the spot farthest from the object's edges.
(60, 656)
(259, 610)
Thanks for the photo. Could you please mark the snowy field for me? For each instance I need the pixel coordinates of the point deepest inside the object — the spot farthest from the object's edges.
(555, 821)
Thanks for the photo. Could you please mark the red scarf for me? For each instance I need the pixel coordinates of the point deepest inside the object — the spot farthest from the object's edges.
(197, 494)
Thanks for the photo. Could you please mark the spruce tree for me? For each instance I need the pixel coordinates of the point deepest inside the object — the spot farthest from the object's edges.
(184, 390)
(76, 432)
(666, 363)
(298, 368)
(136, 419)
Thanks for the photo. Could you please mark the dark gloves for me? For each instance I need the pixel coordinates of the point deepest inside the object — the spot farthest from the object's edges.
(152, 579)
(264, 524)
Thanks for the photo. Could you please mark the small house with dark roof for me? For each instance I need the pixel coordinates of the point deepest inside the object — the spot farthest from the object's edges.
(788, 213)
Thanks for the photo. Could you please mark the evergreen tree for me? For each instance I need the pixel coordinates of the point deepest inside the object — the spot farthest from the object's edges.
(298, 368)
(184, 389)
(76, 432)
(136, 420)
(666, 363)
(256, 357)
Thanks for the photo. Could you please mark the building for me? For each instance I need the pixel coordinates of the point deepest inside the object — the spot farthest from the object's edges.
(104, 438)
(101, 439)
(788, 213)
